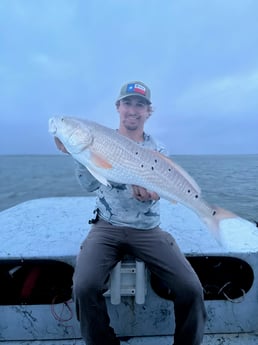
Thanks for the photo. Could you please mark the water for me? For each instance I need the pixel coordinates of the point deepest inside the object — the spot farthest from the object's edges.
(229, 181)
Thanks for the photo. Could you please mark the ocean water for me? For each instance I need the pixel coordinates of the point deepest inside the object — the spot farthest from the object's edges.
(230, 181)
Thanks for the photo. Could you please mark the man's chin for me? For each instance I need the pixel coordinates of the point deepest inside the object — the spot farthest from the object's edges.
(131, 128)
(132, 125)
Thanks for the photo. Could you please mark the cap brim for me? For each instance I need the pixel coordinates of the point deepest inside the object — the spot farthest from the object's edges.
(133, 94)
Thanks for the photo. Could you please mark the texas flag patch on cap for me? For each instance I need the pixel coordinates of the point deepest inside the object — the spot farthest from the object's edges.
(136, 88)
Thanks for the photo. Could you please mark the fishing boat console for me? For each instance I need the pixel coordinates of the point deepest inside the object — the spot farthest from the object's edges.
(39, 243)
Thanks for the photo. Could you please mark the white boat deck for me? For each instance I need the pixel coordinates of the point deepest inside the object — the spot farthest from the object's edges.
(53, 228)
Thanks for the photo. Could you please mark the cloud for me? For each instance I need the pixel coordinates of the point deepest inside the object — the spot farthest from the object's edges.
(230, 95)
(72, 57)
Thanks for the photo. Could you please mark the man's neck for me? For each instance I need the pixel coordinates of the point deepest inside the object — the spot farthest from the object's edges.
(131, 134)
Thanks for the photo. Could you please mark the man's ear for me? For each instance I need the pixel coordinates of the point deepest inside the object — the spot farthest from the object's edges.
(117, 104)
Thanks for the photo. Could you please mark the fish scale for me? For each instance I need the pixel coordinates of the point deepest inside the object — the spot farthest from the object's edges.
(125, 156)
(112, 157)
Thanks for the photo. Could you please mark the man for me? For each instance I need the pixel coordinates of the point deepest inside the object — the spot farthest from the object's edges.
(127, 222)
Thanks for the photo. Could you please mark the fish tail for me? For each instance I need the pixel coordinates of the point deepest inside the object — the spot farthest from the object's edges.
(214, 221)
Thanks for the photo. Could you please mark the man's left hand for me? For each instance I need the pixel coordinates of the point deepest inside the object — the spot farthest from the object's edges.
(142, 194)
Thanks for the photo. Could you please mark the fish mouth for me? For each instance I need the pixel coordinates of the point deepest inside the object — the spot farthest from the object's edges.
(52, 128)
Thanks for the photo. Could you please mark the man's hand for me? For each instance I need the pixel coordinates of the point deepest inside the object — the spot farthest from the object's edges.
(142, 194)
(60, 145)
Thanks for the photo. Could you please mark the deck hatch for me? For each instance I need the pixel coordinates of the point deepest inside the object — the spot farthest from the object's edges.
(35, 282)
(222, 278)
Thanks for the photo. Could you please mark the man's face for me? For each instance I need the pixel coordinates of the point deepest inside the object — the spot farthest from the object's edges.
(133, 111)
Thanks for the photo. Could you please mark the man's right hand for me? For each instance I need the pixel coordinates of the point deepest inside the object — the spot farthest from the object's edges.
(60, 145)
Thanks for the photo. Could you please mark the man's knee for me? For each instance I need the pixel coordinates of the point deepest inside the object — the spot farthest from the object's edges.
(194, 291)
(189, 293)
(85, 287)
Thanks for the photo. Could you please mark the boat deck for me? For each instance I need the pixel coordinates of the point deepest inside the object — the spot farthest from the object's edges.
(41, 238)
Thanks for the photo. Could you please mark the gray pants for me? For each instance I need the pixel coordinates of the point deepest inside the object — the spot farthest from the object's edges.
(104, 246)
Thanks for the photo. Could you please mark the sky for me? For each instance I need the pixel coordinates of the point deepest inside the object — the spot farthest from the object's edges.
(70, 57)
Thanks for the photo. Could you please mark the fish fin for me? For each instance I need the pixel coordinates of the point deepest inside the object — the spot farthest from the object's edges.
(98, 177)
(100, 161)
(213, 222)
(181, 171)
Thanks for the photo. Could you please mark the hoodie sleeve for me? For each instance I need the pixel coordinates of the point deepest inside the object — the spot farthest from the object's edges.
(85, 178)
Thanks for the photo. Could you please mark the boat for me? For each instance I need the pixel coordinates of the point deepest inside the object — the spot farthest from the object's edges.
(40, 240)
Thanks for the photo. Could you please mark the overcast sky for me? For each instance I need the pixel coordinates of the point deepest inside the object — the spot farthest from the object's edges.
(199, 57)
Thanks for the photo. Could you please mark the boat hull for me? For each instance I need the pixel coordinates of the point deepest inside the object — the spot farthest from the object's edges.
(41, 239)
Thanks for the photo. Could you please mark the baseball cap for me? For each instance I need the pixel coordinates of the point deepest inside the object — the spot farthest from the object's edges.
(135, 88)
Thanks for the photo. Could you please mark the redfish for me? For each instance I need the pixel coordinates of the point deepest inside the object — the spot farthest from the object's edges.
(112, 157)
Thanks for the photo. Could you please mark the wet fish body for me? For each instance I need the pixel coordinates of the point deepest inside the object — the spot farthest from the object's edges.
(111, 157)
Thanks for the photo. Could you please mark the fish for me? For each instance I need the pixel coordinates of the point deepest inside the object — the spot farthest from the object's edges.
(113, 158)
